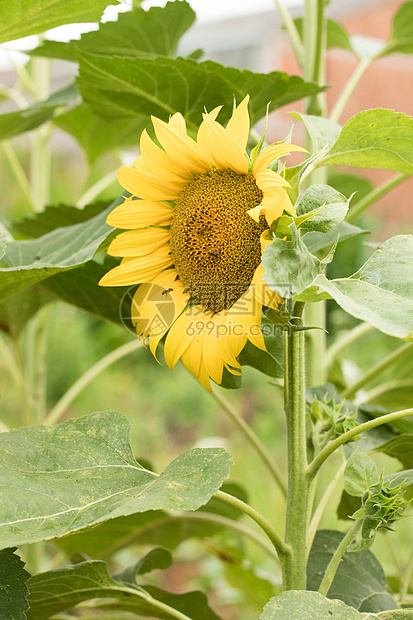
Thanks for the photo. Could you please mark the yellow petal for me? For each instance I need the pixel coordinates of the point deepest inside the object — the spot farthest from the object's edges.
(181, 148)
(146, 186)
(160, 164)
(264, 295)
(140, 214)
(268, 155)
(177, 121)
(139, 242)
(274, 196)
(179, 337)
(212, 356)
(239, 124)
(135, 270)
(220, 147)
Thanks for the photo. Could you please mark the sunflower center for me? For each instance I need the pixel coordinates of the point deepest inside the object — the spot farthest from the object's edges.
(215, 244)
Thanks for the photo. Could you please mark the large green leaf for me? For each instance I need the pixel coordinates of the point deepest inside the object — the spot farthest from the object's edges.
(135, 34)
(397, 614)
(13, 588)
(56, 217)
(401, 448)
(80, 288)
(62, 589)
(95, 135)
(122, 88)
(154, 527)
(334, 207)
(336, 34)
(139, 33)
(316, 241)
(359, 581)
(19, 308)
(380, 292)
(401, 40)
(82, 472)
(322, 131)
(297, 605)
(375, 138)
(289, 266)
(14, 123)
(21, 18)
(29, 262)
(360, 473)
(3, 244)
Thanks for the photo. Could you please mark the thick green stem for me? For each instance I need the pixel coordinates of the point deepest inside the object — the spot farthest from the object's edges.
(280, 546)
(294, 566)
(376, 370)
(315, 465)
(349, 89)
(253, 440)
(336, 559)
(374, 195)
(315, 39)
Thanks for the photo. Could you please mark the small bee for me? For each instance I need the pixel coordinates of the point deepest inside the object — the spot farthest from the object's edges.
(167, 290)
(213, 253)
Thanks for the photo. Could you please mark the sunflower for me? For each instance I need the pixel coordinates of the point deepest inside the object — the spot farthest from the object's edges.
(195, 237)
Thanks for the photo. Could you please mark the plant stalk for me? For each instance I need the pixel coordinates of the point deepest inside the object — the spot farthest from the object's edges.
(79, 385)
(374, 195)
(293, 34)
(253, 440)
(283, 550)
(40, 154)
(377, 369)
(315, 465)
(336, 559)
(294, 565)
(349, 88)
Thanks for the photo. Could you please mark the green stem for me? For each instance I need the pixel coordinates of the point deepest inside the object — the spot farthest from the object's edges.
(283, 550)
(98, 187)
(79, 385)
(315, 39)
(292, 31)
(349, 88)
(318, 513)
(377, 369)
(345, 341)
(36, 355)
(209, 517)
(336, 559)
(19, 173)
(374, 195)
(40, 154)
(315, 465)
(294, 566)
(315, 316)
(375, 393)
(253, 439)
